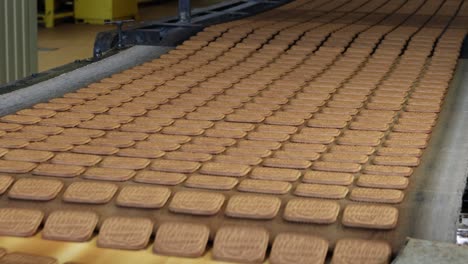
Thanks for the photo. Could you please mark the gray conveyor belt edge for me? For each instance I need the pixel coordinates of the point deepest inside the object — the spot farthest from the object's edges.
(73, 80)
(437, 195)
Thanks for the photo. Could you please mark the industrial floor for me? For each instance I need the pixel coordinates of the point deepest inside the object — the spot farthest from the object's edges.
(291, 136)
(67, 42)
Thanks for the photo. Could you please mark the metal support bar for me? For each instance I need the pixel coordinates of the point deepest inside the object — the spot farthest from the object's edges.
(184, 11)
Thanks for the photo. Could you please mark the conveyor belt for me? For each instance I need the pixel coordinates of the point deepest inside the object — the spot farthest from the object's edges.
(296, 130)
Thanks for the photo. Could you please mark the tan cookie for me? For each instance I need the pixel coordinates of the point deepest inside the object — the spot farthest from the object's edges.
(96, 150)
(35, 189)
(225, 169)
(108, 174)
(181, 239)
(365, 150)
(377, 195)
(324, 177)
(124, 163)
(311, 211)
(175, 166)
(89, 192)
(287, 163)
(321, 191)
(298, 248)
(383, 181)
(211, 182)
(370, 216)
(264, 186)
(336, 166)
(196, 203)
(76, 159)
(19, 222)
(125, 233)
(360, 251)
(67, 225)
(276, 174)
(142, 196)
(240, 244)
(396, 161)
(157, 177)
(253, 206)
(388, 170)
(11, 166)
(58, 170)
(17, 257)
(28, 155)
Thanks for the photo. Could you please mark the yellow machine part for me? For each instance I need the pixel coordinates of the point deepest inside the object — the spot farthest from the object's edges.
(98, 12)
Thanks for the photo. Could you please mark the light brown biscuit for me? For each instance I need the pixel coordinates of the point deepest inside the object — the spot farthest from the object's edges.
(142, 196)
(211, 182)
(224, 142)
(124, 163)
(388, 170)
(20, 119)
(264, 186)
(311, 211)
(225, 169)
(187, 156)
(91, 133)
(245, 160)
(162, 145)
(46, 130)
(58, 170)
(365, 150)
(345, 157)
(234, 126)
(13, 143)
(383, 181)
(376, 195)
(253, 206)
(19, 222)
(8, 127)
(277, 129)
(157, 177)
(196, 203)
(28, 155)
(319, 148)
(358, 141)
(336, 166)
(247, 151)
(74, 140)
(108, 174)
(125, 233)
(89, 192)
(287, 163)
(112, 142)
(29, 136)
(11, 166)
(318, 139)
(270, 145)
(240, 244)
(268, 136)
(175, 166)
(361, 251)
(389, 151)
(302, 155)
(35, 189)
(24, 258)
(325, 177)
(181, 239)
(370, 216)
(186, 131)
(5, 182)
(275, 174)
(323, 123)
(96, 150)
(141, 128)
(396, 161)
(140, 153)
(221, 133)
(284, 120)
(76, 159)
(67, 225)
(298, 248)
(208, 149)
(321, 191)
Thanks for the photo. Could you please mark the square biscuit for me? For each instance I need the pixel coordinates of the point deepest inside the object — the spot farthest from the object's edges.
(321, 191)
(298, 248)
(196, 203)
(89, 192)
(370, 216)
(253, 206)
(264, 186)
(68, 225)
(158, 177)
(225, 169)
(311, 211)
(125, 233)
(35, 189)
(361, 251)
(19, 222)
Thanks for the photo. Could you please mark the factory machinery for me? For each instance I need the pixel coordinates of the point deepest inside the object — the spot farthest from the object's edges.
(307, 131)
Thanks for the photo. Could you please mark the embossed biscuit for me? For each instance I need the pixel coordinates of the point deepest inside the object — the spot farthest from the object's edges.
(35, 189)
(275, 174)
(264, 186)
(20, 119)
(24, 258)
(389, 151)
(89, 192)
(297, 248)
(287, 163)
(124, 163)
(196, 203)
(336, 166)
(10, 127)
(108, 174)
(270, 145)
(361, 251)
(381, 181)
(19, 222)
(158, 177)
(5, 182)
(247, 151)
(76, 159)
(13, 143)
(12, 166)
(245, 160)
(181, 239)
(345, 157)
(175, 166)
(302, 155)
(97, 150)
(321, 191)
(58, 170)
(319, 148)
(370, 216)
(240, 244)
(208, 149)
(68, 225)
(325, 177)
(211, 182)
(306, 138)
(353, 149)
(188, 156)
(376, 195)
(396, 161)
(142, 196)
(125, 233)
(28, 155)
(253, 206)
(388, 170)
(140, 153)
(225, 169)
(311, 211)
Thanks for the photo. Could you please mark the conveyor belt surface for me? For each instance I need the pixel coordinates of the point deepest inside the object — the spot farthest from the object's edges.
(296, 130)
